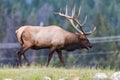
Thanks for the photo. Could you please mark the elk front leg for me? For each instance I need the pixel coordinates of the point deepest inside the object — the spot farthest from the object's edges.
(52, 49)
(60, 57)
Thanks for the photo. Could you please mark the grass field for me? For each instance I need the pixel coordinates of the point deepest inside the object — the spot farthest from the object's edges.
(38, 73)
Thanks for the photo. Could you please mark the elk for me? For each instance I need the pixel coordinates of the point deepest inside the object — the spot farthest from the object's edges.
(53, 37)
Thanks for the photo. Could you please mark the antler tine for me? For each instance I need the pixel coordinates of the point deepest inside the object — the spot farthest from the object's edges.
(75, 26)
(88, 33)
(59, 13)
(79, 13)
(76, 20)
(84, 21)
(73, 12)
(66, 11)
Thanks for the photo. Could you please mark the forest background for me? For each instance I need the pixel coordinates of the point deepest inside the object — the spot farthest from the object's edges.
(104, 14)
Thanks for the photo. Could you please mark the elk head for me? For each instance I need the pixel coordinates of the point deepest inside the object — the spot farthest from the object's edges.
(74, 21)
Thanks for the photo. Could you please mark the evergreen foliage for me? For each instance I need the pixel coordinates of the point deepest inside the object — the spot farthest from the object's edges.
(104, 14)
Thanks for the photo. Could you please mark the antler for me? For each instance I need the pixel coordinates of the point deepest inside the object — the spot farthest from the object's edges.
(75, 19)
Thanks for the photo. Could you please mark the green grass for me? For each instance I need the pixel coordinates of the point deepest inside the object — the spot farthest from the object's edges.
(38, 73)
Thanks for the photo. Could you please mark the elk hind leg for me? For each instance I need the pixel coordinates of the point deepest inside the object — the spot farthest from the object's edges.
(19, 54)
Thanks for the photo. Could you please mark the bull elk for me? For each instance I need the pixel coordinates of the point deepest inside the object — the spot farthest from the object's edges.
(53, 37)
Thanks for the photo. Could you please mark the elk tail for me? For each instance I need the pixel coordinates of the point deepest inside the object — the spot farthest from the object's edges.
(21, 38)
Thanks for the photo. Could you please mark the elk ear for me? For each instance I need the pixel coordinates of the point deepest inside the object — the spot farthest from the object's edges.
(88, 33)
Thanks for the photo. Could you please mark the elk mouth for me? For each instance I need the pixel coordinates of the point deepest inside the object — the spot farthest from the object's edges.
(88, 47)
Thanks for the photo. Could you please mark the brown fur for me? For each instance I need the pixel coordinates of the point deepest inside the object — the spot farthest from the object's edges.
(52, 37)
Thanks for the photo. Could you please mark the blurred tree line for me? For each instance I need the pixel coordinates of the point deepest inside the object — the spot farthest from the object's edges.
(104, 14)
